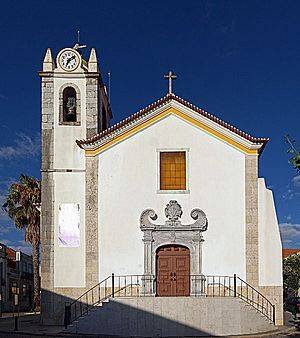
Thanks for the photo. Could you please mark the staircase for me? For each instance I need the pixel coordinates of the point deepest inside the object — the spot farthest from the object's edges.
(225, 305)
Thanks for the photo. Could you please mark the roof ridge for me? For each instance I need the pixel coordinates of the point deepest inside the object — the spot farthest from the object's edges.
(168, 97)
(112, 128)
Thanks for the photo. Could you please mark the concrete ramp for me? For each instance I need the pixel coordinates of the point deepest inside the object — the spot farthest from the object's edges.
(172, 316)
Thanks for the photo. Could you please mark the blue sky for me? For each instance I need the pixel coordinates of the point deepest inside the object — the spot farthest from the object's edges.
(239, 60)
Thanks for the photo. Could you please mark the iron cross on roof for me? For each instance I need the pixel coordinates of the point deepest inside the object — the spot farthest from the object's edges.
(170, 76)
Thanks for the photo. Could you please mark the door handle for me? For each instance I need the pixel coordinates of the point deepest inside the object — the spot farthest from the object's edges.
(173, 276)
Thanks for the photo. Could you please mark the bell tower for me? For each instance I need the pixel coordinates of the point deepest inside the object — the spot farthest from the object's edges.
(75, 106)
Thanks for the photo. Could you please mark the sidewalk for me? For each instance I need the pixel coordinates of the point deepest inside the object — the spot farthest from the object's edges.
(29, 326)
(11, 314)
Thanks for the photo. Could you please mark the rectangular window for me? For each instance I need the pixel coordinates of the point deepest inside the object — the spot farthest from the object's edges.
(173, 170)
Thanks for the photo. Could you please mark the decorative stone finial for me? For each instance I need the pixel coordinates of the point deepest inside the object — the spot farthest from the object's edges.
(93, 63)
(48, 63)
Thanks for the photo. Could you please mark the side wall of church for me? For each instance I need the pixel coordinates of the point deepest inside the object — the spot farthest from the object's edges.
(270, 251)
(129, 180)
(270, 248)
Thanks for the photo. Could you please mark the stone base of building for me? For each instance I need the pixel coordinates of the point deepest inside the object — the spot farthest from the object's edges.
(275, 295)
(53, 303)
(173, 316)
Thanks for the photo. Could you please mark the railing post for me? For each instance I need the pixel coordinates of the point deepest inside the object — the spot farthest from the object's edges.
(274, 314)
(67, 315)
(113, 285)
(234, 285)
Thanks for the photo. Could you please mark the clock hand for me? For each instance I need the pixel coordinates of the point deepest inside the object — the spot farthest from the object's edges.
(70, 59)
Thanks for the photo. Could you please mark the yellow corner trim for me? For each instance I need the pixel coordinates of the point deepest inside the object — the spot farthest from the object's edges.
(160, 116)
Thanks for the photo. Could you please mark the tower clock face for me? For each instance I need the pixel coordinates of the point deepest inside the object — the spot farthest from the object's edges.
(69, 60)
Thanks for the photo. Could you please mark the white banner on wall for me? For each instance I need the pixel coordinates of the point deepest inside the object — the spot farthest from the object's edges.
(68, 225)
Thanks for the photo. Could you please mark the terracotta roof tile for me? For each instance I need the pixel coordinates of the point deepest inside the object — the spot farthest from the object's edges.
(288, 252)
(161, 101)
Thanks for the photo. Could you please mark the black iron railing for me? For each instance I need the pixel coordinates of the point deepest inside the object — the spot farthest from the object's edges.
(145, 285)
(253, 297)
(110, 287)
(233, 286)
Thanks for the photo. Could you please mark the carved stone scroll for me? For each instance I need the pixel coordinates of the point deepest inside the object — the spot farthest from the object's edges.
(201, 220)
(144, 218)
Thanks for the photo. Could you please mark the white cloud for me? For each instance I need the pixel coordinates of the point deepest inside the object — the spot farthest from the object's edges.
(4, 229)
(24, 147)
(18, 245)
(290, 194)
(290, 233)
(6, 242)
(296, 181)
(23, 248)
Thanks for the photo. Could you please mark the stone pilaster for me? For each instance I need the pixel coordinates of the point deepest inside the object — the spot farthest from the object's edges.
(251, 207)
(47, 199)
(92, 106)
(91, 222)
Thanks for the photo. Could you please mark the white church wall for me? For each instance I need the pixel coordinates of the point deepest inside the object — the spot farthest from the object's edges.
(69, 262)
(128, 181)
(270, 248)
(68, 154)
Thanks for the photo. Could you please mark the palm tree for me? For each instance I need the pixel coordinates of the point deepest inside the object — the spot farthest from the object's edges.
(22, 202)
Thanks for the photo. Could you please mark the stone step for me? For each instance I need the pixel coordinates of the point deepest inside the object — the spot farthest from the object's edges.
(172, 316)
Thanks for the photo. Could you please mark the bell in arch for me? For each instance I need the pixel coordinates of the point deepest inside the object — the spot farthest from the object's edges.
(69, 104)
(71, 109)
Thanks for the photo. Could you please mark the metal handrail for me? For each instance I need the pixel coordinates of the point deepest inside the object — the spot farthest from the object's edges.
(134, 286)
(108, 288)
(263, 305)
(93, 287)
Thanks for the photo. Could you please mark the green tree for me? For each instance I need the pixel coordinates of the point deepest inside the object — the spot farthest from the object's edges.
(291, 272)
(295, 154)
(21, 204)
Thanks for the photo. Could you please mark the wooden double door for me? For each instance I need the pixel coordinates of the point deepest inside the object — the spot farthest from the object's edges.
(173, 271)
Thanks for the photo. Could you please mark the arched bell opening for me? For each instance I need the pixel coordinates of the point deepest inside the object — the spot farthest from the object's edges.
(69, 105)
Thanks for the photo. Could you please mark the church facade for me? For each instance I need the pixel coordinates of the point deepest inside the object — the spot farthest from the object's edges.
(168, 193)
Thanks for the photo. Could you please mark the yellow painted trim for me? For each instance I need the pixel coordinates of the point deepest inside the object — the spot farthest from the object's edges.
(160, 116)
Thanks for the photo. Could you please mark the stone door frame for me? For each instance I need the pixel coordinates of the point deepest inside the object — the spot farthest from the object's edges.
(172, 232)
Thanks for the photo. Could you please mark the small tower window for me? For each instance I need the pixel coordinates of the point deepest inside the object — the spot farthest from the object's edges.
(69, 105)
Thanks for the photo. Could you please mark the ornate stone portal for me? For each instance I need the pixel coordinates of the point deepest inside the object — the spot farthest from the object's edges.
(173, 232)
